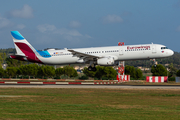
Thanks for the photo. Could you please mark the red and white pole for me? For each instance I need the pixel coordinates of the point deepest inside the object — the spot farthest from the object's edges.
(121, 66)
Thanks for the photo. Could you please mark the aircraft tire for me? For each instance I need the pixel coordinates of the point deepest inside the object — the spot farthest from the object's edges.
(94, 69)
(90, 68)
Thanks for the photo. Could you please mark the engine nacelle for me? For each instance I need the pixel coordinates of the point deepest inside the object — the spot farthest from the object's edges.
(105, 61)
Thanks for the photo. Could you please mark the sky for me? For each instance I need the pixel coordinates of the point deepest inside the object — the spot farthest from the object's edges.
(91, 23)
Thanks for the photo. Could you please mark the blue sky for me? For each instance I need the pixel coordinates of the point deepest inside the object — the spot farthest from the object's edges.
(93, 23)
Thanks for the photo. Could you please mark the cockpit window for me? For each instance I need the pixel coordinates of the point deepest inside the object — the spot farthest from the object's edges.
(164, 48)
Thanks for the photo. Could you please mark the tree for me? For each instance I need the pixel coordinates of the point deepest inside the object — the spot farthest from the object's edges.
(75, 74)
(2, 57)
(41, 71)
(2, 72)
(138, 73)
(130, 70)
(70, 71)
(13, 63)
(110, 73)
(19, 72)
(172, 70)
(100, 72)
(22, 70)
(59, 72)
(49, 71)
(89, 73)
(178, 73)
(159, 70)
(32, 70)
(11, 71)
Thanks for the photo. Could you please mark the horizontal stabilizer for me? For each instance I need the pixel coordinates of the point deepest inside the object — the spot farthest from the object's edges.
(18, 57)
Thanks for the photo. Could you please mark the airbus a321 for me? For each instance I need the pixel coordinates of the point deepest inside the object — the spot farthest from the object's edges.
(106, 56)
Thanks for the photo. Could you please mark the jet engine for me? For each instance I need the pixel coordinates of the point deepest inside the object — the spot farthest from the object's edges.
(105, 61)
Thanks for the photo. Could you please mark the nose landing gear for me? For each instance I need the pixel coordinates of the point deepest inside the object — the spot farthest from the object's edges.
(155, 63)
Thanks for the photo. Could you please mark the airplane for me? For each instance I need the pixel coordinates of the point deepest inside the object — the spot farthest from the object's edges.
(105, 56)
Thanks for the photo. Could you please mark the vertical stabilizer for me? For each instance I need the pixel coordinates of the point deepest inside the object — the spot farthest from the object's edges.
(21, 44)
(23, 47)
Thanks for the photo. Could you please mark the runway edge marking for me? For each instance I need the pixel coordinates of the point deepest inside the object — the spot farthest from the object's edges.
(63, 83)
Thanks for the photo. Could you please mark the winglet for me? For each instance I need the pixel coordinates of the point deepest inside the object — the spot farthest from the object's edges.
(17, 35)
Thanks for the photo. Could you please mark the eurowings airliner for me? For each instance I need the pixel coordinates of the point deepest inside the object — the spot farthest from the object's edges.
(106, 56)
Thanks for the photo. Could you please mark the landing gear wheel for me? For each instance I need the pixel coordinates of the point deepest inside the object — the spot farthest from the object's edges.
(90, 68)
(94, 69)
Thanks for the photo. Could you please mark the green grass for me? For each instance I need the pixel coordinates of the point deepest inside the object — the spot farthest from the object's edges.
(92, 104)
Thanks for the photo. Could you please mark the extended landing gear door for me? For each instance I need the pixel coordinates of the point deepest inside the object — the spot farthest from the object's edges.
(121, 51)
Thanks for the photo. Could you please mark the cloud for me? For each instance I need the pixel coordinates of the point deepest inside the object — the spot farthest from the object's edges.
(4, 22)
(74, 24)
(46, 28)
(25, 12)
(68, 34)
(21, 26)
(112, 19)
(64, 31)
(88, 36)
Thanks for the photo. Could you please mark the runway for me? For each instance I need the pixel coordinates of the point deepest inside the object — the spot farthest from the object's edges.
(94, 86)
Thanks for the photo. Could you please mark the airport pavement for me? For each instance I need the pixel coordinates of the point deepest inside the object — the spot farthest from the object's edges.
(91, 86)
(84, 84)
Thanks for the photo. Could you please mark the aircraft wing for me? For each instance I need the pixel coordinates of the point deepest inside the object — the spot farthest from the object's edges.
(84, 55)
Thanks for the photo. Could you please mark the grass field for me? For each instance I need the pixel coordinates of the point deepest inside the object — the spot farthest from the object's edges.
(92, 104)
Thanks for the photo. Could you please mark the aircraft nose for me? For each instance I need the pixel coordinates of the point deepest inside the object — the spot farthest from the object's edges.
(171, 52)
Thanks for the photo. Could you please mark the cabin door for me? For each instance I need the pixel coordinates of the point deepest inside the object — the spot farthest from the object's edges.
(121, 51)
(153, 49)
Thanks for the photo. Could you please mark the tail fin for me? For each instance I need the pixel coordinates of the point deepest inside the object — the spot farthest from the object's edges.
(23, 47)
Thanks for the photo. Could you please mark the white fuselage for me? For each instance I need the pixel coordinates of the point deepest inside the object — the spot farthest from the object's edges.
(119, 53)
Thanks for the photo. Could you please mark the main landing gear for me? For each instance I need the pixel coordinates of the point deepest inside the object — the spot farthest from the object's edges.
(90, 68)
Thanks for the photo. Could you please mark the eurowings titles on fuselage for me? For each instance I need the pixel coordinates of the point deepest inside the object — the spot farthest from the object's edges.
(94, 56)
